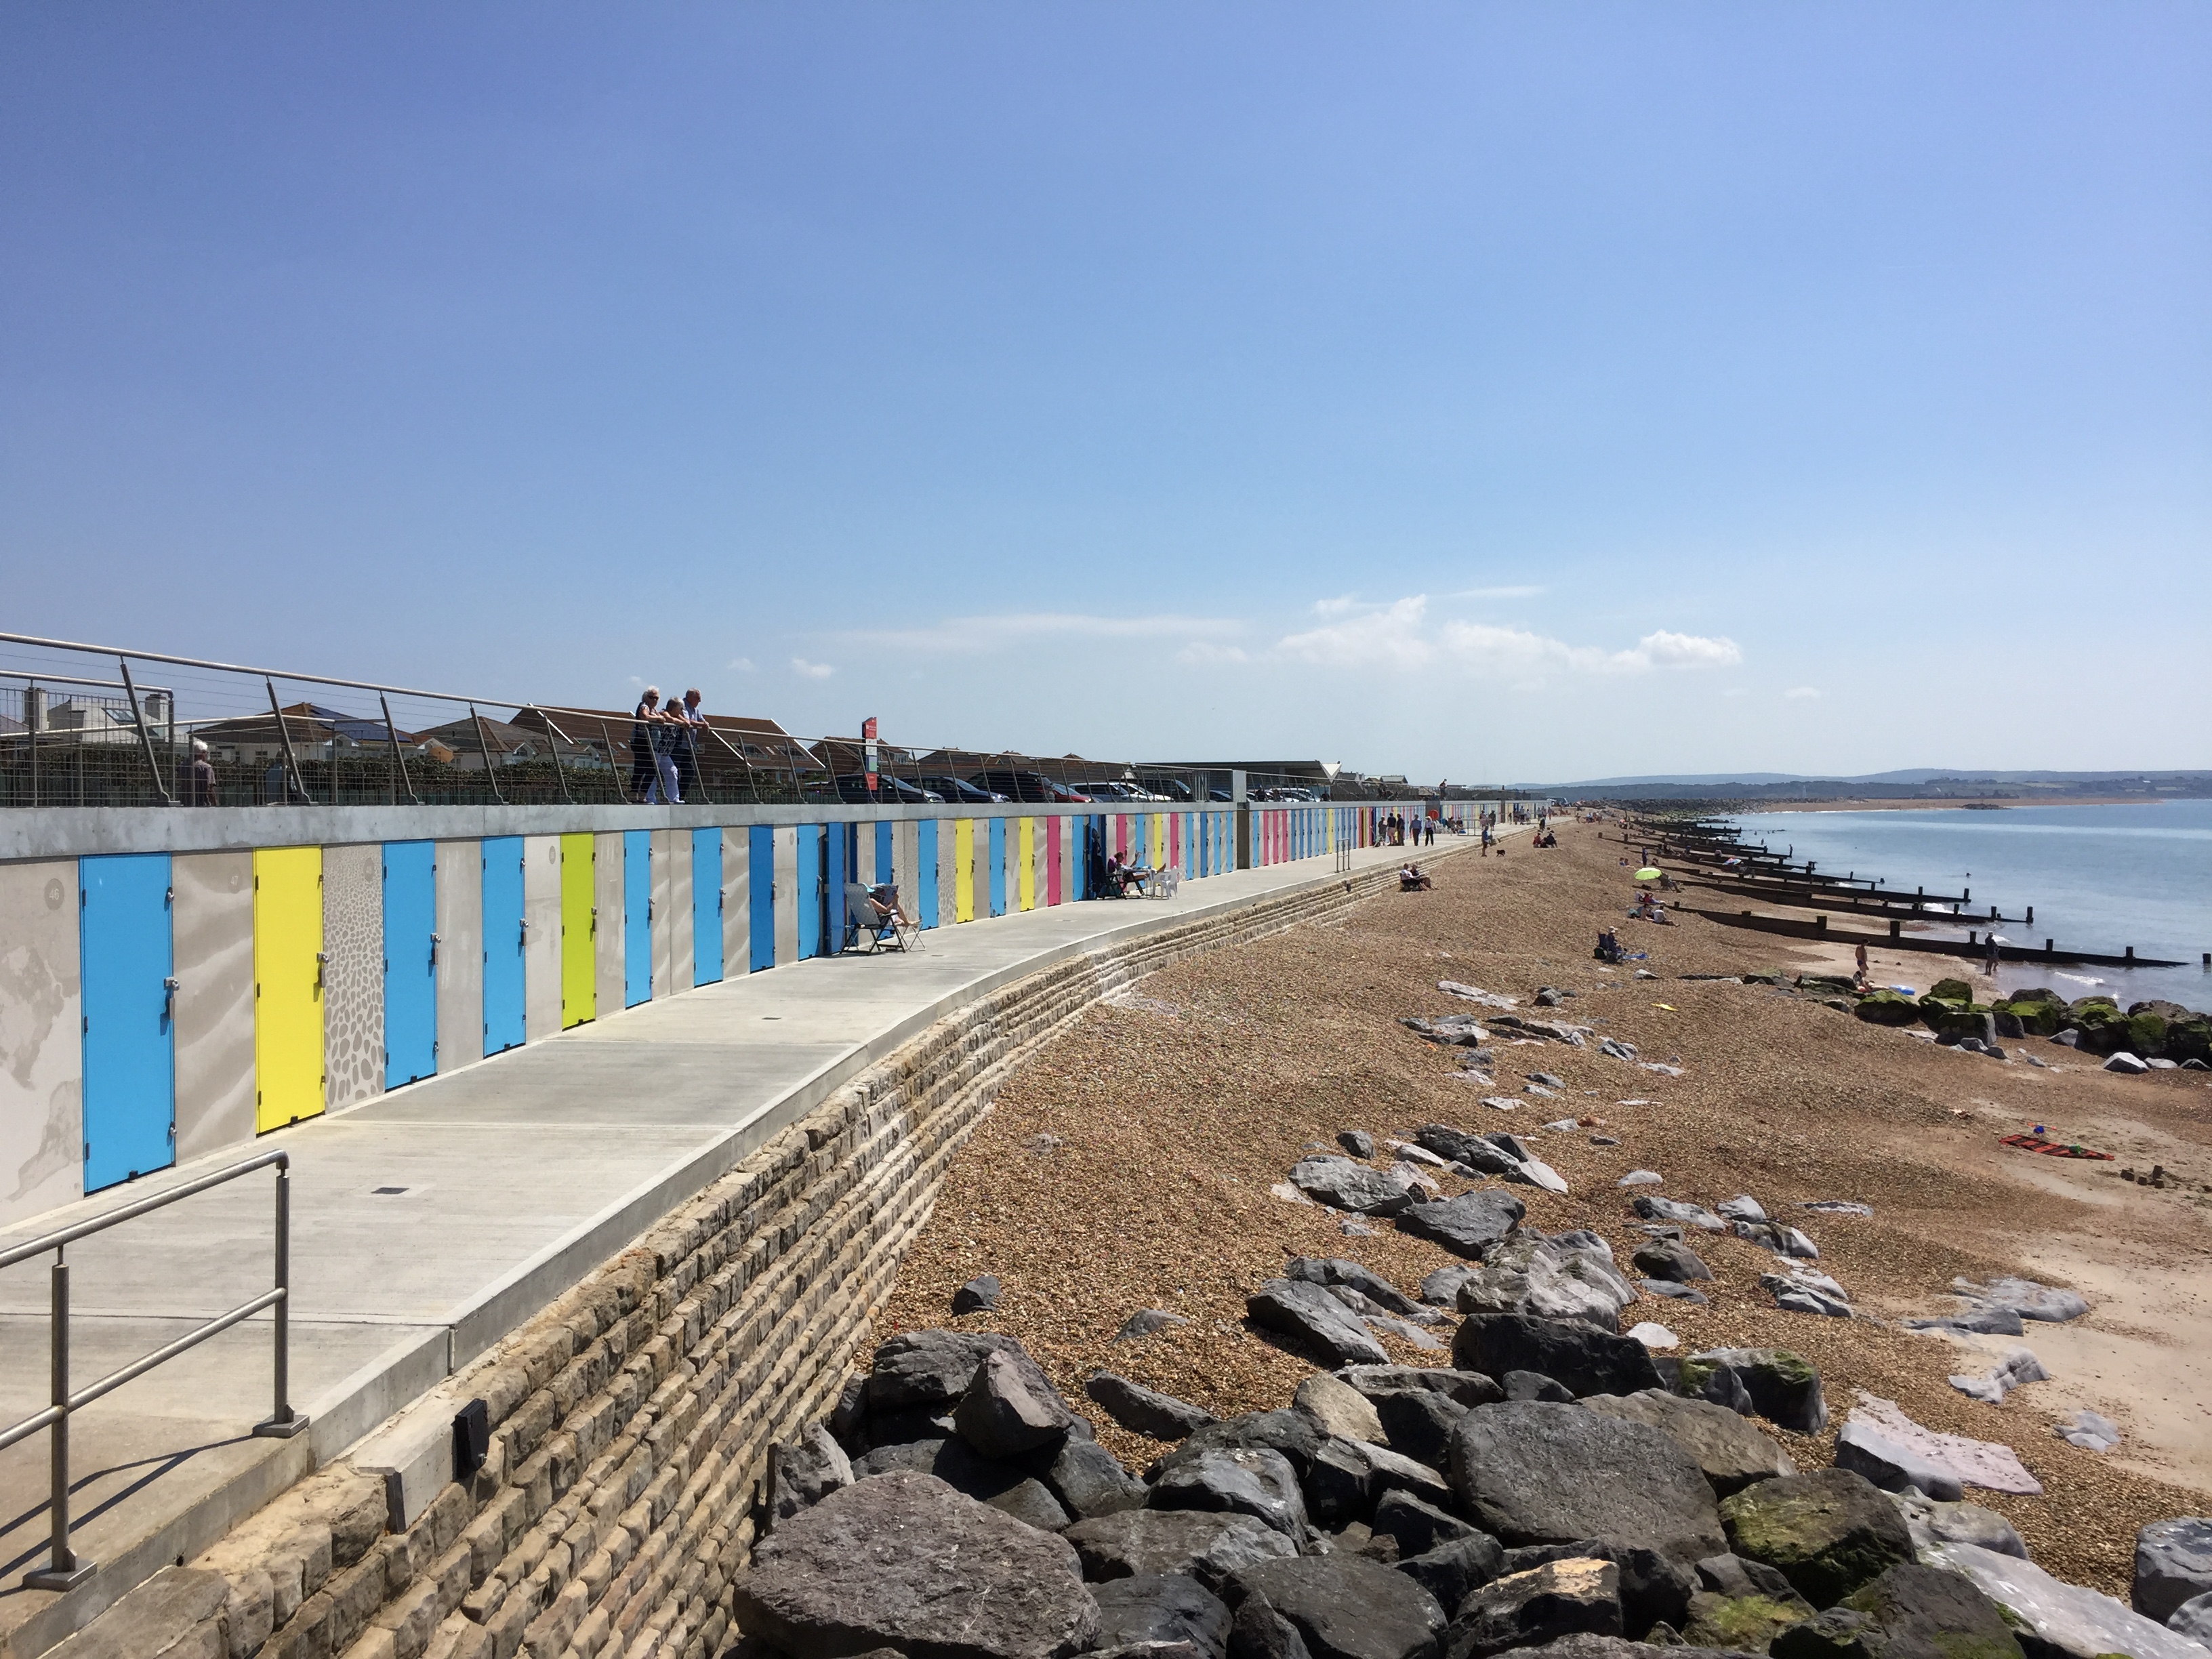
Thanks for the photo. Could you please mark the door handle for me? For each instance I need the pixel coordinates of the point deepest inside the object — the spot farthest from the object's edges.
(434, 950)
(168, 1002)
(321, 958)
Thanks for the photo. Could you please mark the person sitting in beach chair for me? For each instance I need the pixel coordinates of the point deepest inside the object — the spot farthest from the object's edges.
(1608, 947)
(1411, 880)
(873, 923)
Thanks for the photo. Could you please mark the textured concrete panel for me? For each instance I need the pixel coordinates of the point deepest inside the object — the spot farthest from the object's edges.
(948, 872)
(736, 904)
(213, 925)
(541, 950)
(905, 841)
(353, 977)
(607, 922)
(41, 1045)
(787, 894)
(460, 953)
(663, 843)
(680, 921)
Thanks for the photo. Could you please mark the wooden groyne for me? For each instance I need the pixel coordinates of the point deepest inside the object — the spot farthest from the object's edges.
(1818, 928)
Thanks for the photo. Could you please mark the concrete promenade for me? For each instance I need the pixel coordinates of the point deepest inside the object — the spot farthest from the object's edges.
(430, 1222)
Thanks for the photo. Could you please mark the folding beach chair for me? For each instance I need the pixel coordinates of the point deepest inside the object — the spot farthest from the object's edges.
(865, 919)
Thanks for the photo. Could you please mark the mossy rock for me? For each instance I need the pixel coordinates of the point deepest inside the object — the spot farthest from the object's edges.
(1827, 1532)
(1909, 1612)
(1740, 1623)
(2189, 1039)
(1826, 982)
(2147, 1034)
(1887, 1008)
(2105, 1029)
(1952, 990)
(2041, 1013)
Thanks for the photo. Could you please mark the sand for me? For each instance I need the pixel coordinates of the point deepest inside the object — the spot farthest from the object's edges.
(1171, 1115)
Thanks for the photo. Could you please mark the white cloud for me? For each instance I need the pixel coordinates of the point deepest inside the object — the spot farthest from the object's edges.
(1200, 653)
(1798, 693)
(1367, 637)
(1665, 650)
(742, 664)
(1496, 593)
(813, 670)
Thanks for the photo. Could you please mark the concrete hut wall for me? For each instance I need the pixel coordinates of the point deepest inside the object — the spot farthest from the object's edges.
(631, 1421)
(276, 925)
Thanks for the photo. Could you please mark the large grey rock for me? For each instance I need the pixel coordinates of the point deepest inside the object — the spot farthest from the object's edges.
(929, 1369)
(2025, 1297)
(1341, 1183)
(1670, 1260)
(1891, 1465)
(1527, 1609)
(1416, 1525)
(1931, 1522)
(1209, 1546)
(1338, 1408)
(1017, 1488)
(1345, 1607)
(1290, 1432)
(1145, 1410)
(1146, 1321)
(2193, 1618)
(1418, 1423)
(1450, 1570)
(1011, 1407)
(1951, 1460)
(1909, 1612)
(1464, 1146)
(1164, 1608)
(1358, 1142)
(1798, 1291)
(1977, 1319)
(1827, 1532)
(1534, 1172)
(1550, 1278)
(1465, 1387)
(1534, 1385)
(1333, 1270)
(1533, 1472)
(802, 1475)
(1730, 1452)
(1578, 1356)
(903, 1561)
(1470, 1225)
(1346, 1478)
(1742, 1207)
(1258, 1631)
(2058, 1620)
(1259, 1483)
(2173, 1565)
(1535, 1606)
(1314, 1316)
(1086, 1477)
(1782, 1387)
(1652, 1207)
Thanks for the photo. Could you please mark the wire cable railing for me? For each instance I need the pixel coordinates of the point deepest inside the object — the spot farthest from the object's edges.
(65, 1570)
(79, 728)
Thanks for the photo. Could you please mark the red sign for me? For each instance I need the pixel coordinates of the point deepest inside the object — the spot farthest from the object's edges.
(868, 741)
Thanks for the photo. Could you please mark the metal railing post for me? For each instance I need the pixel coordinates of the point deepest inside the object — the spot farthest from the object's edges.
(284, 735)
(399, 760)
(64, 1571)
(483, 748)
(284, 1422)
(145, 737)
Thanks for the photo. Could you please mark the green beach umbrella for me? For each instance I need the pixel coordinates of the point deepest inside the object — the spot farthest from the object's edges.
(1647, 873)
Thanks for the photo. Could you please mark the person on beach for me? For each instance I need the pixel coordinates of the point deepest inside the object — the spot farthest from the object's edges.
(1993, 956)
(1861, 956)
(1411, 880)
(641, 765)
(1608, 947)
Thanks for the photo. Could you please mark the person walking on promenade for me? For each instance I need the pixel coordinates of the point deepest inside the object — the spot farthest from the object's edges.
(199, 789)
(642, 767)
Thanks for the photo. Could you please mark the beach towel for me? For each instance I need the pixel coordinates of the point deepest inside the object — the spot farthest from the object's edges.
(2028, 1143)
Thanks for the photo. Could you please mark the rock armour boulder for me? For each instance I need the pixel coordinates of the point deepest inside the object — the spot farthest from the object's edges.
(903, 1561)
(1578, 1356)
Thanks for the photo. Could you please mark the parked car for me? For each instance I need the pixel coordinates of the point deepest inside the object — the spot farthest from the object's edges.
(1167, 788)
(1028, 787)
(1110, 789)
(853, 789)
(1221, 794)
(961, 793)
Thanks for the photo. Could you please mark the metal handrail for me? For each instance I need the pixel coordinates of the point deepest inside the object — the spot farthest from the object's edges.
(65, 1570)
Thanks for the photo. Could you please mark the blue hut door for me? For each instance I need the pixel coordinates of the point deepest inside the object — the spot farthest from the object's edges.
(129, 1015)
(706, 906)
(637, 917)
(504, 1002)
(410, 961)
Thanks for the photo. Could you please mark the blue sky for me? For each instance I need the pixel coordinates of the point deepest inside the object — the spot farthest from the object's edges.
(1528, 391)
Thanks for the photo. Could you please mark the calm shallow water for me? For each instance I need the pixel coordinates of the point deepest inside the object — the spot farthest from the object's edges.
(2100, 878)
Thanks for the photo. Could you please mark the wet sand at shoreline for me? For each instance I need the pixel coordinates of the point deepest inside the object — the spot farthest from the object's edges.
(1170, 1114)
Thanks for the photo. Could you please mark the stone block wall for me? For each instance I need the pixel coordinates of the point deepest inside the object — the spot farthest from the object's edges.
(631, 1421)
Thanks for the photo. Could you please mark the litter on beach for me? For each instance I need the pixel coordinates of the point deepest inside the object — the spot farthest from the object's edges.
(2037, 1143)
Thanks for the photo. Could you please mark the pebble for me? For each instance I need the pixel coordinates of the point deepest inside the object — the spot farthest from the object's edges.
(1603, 1140)
(1655, 1336)
(1839, 1207)
(1144, 1321)
(1355, 1228)
(1640, 1178)
(1539, 1091)
(2090, 1430)
(1565, 1126)
(1501, 1103)
(1547, 1079)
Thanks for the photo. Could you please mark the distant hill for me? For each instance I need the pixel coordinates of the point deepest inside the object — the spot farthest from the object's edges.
(1942, 783)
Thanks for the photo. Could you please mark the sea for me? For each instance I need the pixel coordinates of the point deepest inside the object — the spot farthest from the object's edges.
(2100, 878)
